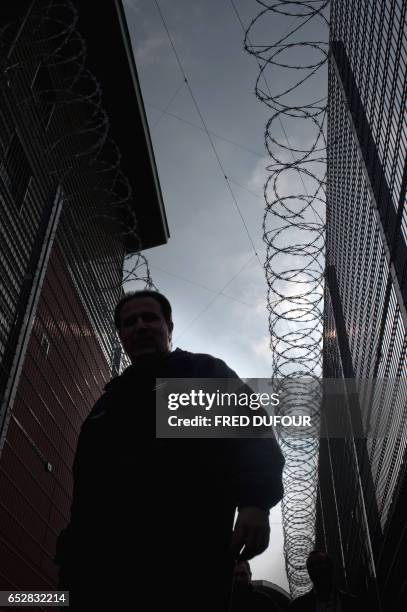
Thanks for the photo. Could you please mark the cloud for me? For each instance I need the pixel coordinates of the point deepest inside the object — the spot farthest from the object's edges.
(153, 50)
(261, 347)
(261, 305)
(132, 5)
(285, 184)
(259, 175)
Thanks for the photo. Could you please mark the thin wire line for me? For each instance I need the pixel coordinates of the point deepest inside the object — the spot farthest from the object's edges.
(168, 106)
(182, 333)
(188, 280)
(199, 127)
(256, 195)
(208, 133)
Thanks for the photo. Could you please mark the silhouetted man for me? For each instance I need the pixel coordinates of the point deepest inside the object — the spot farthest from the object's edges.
(177, 518)
(324, 597)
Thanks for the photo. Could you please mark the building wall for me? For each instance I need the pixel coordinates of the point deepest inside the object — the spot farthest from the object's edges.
(365, 306)
(61, 262)
(63, 375)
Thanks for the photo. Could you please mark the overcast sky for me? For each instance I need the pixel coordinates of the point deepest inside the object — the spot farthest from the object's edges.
(208, 269)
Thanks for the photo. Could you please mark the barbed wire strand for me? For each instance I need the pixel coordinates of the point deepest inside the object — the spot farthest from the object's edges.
(215, 297)
(164, 111)
(199, 127)
(212, 144)
(79, 155)
(201, 286)
(293, 231)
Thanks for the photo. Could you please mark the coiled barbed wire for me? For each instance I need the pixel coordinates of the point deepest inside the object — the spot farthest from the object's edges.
(78, 151)
(113, 192)
(58, 44)
(293, 230)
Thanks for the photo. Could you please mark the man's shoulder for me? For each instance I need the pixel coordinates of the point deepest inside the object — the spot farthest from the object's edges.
(97, 413)
(188, 355)
(102, 405)
(202, 364)
(181, 364)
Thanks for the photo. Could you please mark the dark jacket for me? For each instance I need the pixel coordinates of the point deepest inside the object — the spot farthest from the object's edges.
(307, 603)
(248, 599)
(184, 506)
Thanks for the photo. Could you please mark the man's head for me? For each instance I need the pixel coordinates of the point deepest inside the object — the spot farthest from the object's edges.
(143, 321)
(242, 573)
(320, 570)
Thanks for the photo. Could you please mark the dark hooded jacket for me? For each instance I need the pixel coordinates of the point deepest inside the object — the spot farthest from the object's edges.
(179, 505)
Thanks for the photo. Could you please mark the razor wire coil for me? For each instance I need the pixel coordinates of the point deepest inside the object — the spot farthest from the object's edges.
(293, 231)
(79, 153)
